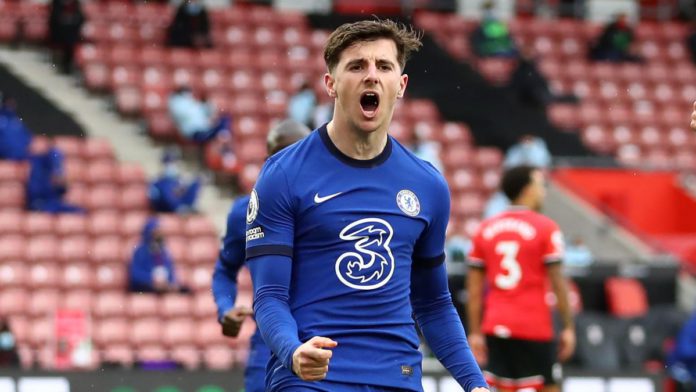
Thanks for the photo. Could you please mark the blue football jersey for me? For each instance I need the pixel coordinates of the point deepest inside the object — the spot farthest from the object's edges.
(355, 230)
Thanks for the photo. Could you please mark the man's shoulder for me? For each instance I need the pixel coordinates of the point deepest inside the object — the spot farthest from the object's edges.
(417, 166)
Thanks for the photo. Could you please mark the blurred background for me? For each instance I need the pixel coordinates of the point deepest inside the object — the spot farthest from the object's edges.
(128, 126)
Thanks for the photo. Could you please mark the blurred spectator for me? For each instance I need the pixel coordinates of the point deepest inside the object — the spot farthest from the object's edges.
(577, 254)
(47, 184)
(152, 269)
(492, 38)
(497, 203)
(530, 150)
(681, 362)
(425, 149)
(169, 193)
(301, 105)
(65, 26)
(8, 347)
(614, 43)
(531, 87)
(456, 249)
(196, 120)
(323, 112)
(191, 26)
(15, 138)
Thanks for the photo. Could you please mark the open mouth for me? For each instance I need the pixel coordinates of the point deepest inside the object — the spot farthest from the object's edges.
(369, 102)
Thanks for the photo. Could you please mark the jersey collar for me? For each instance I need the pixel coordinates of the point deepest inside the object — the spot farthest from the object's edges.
(361, 163)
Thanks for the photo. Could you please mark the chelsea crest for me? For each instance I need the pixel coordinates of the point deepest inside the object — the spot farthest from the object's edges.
(253, 207)
(408, 202)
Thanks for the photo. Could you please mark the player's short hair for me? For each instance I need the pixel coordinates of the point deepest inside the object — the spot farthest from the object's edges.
(406, 38)
(284, 132)
(515, 179)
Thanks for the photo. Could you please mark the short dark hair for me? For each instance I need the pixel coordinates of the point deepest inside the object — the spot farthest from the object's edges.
(286, 131)
(515, 179)
(407, 39)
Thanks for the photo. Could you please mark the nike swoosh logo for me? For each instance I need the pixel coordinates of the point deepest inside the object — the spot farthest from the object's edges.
(319, 199)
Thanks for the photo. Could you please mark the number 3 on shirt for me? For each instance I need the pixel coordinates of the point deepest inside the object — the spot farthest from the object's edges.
(512, 273)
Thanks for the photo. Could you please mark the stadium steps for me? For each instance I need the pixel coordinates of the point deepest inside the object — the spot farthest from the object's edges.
(94, 115)
(608, 241)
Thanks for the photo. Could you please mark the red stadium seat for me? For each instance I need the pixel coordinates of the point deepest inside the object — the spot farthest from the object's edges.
(134, 197)
(106, 249)
(102, 223)
(171, 224)
(145, 330)
(78, 299)
(12, 195)
(178, 331)
(13, 171)
(118, 354)
(131, 173)
(41, 331)
(97, 148)
(43, 275)
(133, 223)
(13, 274)
(111, 276)
(70, 224)
(188, 355)
(488, 157)
(626, 297)
(43, 303)
(12, 248)
(96, 75)
(143, 305)
(203, 250)
(151, 353)
(74, 249)
(218, 357)
(11, 221)
(200, 278)
(110, 304)
(42, 248)
(35, 223)
(14, 301)
(111, 331)
(70, 146)
(176, 305)
(102, 197)
(204, 306)
(76, 276)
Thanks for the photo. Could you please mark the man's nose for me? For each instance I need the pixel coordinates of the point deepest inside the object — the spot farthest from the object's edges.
(371, 75)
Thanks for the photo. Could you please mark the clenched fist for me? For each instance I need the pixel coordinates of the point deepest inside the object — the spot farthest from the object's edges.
(310, 362)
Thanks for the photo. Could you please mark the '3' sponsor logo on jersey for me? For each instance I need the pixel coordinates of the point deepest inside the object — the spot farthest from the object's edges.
(371, 265)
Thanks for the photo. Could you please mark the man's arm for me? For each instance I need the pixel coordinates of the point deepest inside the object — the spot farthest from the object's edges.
(567, 336)
(441, 326)
(229, 262)
(271, 279)
(474, 304)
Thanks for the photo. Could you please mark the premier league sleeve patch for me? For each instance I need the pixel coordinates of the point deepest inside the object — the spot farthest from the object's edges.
(408, 202)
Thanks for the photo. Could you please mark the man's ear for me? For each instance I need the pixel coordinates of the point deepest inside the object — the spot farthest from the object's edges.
(329, 85)
(403, 82)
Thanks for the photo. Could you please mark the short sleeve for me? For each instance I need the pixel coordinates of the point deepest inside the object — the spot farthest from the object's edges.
(430, 247)
(553, 244)
(270, 215)
(476, 257)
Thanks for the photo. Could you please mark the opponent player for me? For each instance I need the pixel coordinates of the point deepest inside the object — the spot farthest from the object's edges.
(513, 254)
(345, 238)
(231, 259)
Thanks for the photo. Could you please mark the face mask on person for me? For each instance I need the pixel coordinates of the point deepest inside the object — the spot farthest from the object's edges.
(171, 170)
(6, 341)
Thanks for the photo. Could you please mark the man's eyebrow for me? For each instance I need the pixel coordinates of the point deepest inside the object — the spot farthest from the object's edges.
(355, 61)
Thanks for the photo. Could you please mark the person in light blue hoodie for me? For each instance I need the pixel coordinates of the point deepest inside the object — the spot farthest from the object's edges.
(196, 120)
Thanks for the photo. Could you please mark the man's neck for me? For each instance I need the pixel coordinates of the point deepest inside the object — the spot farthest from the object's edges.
(355, 143)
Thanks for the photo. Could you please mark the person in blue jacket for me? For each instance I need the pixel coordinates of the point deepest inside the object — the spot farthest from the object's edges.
(169, 193)
(681, 362)
(152, 269)
(47, 183)
(15, 138)
(231, 259)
